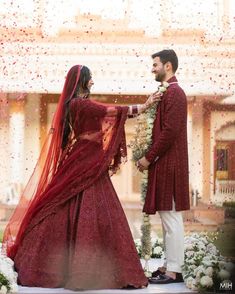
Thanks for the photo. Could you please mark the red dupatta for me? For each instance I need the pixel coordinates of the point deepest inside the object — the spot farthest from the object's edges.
(61, 174)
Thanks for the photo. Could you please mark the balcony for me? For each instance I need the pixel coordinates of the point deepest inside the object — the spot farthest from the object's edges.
(224, 191)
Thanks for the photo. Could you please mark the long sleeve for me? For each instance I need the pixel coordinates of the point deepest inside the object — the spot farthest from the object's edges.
(97, 109)
(174, 116)
(100, 109)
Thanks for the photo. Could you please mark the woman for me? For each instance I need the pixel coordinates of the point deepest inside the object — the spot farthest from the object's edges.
(69, 229)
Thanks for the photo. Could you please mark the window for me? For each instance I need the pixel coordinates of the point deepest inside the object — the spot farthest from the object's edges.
(221, 161)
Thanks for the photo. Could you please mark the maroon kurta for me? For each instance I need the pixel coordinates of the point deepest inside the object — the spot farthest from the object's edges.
(168, 154)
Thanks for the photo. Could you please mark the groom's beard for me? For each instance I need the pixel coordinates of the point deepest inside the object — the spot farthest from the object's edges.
(160, 76)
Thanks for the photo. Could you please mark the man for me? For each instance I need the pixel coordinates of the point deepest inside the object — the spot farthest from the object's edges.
(167, 163)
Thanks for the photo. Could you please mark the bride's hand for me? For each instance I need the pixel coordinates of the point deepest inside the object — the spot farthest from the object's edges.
(154, 97)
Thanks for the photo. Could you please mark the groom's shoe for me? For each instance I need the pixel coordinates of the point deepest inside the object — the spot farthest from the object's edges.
(164, 279)
(159, 271)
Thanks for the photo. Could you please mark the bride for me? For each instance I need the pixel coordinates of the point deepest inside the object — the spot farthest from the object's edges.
(69, 229)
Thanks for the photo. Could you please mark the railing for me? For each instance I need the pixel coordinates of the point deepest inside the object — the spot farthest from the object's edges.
(225, 190)
(227, 187)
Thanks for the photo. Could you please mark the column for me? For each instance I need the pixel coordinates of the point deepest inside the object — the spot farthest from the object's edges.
(207, 173)
(189, 134)
(196, 149)
(31, 134)
(16, 144)
(4, 146)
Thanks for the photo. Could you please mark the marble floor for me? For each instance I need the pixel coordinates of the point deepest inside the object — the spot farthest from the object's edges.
(153, 264)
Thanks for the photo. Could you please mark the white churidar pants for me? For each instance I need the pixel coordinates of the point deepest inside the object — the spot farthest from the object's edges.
(173, 239)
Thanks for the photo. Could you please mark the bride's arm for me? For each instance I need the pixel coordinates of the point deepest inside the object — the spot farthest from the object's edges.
(134, 110)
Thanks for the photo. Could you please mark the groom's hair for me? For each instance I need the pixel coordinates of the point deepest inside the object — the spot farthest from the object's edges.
(167, 55)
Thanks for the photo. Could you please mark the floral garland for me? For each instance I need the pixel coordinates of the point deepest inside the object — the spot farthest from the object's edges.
(140, 145)
(143, 139)
(8, 277)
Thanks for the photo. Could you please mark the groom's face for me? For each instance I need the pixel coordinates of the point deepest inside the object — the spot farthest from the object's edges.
(158, 69)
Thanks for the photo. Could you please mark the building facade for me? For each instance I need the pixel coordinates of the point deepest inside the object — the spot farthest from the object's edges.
(38, 50)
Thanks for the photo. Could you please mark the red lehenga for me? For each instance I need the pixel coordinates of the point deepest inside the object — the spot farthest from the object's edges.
(72, 232)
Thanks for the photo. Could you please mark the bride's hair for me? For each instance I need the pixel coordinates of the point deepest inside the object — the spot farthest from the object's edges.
(82, 87)
(85, 76)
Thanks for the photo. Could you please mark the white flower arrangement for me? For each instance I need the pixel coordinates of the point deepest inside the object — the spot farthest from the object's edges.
(204, 267)
(156, 248)
(8, 276)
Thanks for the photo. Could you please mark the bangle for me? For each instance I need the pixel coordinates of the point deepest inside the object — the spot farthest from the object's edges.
(133, 109)
(137, 109)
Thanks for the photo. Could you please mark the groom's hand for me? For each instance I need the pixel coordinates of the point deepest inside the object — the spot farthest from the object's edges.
(143, 164)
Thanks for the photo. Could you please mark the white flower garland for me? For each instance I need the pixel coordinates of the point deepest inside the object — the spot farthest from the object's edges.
(143, 138)
(140, 145)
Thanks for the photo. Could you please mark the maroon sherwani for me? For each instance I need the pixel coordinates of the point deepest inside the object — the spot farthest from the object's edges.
(168, 172)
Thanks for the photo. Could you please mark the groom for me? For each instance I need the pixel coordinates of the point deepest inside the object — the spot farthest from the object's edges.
(167, 163)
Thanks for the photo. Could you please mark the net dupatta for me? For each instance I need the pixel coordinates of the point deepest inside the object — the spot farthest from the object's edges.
(44, 170)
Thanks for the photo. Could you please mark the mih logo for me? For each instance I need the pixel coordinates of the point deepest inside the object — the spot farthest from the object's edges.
(226, 285)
